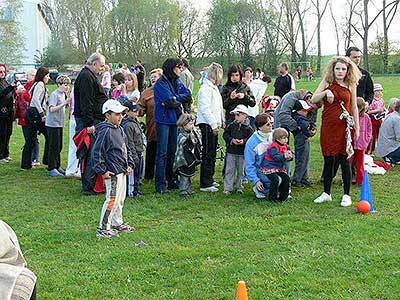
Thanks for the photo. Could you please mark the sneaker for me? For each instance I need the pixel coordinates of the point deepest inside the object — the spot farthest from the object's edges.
(323, 198)
(73, 175)
(297, 183)
(307, 182)
(346, 201)
(3, 161)
(9, 158)
(35, 163)
(227, 193)
(215, 184)
(61, 170)
(239, 191)
(258, 194)
(245, 180)
(106, 233)
(137, 194)
(24, 170)
(89, 193)
(54, 173)
(124, 227)
(163, 191)
(211, 189)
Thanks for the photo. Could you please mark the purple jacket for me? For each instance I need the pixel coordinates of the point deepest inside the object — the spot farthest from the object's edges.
(365, 133)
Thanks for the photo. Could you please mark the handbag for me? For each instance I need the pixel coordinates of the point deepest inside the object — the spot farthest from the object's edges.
(32, 115)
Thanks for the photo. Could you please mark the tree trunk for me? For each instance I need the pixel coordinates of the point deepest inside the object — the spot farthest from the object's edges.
(365, 38)
(385, 40)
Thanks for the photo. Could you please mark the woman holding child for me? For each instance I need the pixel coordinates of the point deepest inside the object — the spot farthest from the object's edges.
(337, 91)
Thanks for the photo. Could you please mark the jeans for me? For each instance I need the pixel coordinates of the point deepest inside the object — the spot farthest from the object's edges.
(88, 175)
(167, 136)
(185, 185)
(209, 152)
(394, 156)
(30, 135)
(150, 163)
(302, 157)
(234, 166)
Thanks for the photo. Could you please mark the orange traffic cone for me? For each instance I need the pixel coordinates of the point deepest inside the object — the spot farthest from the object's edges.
(241, 293)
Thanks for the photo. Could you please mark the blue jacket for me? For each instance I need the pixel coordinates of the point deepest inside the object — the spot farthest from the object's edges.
(254, 153)
(304, 125)
(165, 96)
(110, 151)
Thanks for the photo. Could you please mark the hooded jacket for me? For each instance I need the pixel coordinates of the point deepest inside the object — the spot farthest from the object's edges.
(110, 151)
(7, 95)
(134, 134)
(230, 104)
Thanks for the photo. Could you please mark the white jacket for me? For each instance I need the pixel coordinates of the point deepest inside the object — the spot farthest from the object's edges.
(209, 108)
(258, 88)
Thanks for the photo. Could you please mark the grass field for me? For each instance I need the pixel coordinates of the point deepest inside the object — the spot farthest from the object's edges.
(199, 247)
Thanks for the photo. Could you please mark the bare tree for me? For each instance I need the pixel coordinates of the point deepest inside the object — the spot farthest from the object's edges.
(388, 17)
(320, 7)
(333, 17)
(348, 28)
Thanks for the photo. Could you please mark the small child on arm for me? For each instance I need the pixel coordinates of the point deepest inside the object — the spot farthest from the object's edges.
(188, 153)
(273, 166)
(112, 159)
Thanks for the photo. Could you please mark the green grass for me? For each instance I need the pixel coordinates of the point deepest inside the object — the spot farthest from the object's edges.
(200, 247)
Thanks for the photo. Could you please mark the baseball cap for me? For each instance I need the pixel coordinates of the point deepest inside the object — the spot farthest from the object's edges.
(301, 104)
(240, 108)
(378, 87)
(113, 106)
(131, 106)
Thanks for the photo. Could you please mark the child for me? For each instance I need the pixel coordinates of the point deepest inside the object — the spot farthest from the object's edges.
(273, 166)
(134, 132)
(305, 130)
(112, 159)
(376, 111)
(269, 104)
(119, 91)
(55, 121)
(188, 153)
(236, 135)
(361, 144)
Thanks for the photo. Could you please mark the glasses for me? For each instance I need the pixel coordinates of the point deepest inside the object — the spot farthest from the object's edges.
(2, 71)
(268, 124)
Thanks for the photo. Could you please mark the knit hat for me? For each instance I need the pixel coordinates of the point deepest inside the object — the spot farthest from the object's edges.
(378, 87)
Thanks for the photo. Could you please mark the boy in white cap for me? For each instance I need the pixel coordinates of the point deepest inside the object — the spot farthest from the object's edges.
(236, 135)
(112, 160)
(302, 136)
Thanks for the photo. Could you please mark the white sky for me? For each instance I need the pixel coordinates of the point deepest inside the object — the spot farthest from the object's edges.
(328, 31)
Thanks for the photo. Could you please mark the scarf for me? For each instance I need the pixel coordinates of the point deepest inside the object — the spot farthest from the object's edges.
(349, 125)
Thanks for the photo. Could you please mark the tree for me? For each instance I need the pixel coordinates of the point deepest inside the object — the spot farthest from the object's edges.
(336, 29)
(320, 7)
(11, 37)
(387, 17)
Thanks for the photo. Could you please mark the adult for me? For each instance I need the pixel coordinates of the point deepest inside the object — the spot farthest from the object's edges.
(388, 145)
(365, 87)
(140, 72)
(170, 95)
(35, 118)
(7, 96)
(254, 152)
(186, 75)
(89, 99)
(236, 92)
(16, 280)
(337, 91)
(284, 83)
(146, 103)
(258, 87)
(210, 119)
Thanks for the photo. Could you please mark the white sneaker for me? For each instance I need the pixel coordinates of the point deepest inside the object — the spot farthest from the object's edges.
(258, 194)
(346, 201)
(323, 198)
(211, 189)
(215, 184)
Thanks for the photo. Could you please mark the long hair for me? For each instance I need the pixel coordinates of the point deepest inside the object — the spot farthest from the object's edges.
(234, 69)
(41, 73)
(215, 73)
(353, 74)
(134, 82)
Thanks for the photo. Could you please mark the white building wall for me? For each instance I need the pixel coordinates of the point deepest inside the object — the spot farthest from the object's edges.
(35, 30)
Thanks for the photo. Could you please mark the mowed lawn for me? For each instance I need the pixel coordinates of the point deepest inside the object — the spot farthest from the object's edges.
(199, 247)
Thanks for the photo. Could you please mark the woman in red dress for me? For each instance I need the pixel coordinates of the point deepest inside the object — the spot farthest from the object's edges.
(337, 91)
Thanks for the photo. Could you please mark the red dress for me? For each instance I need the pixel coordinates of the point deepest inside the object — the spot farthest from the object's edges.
(333, 130)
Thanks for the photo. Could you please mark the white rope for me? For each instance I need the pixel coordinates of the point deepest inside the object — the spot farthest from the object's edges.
(349, 125)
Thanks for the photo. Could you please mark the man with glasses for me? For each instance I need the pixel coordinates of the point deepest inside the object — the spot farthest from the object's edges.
(89, 100)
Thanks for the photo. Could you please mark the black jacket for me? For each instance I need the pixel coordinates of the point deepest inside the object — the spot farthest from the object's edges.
(230, 104)
(7, 95)
(236, 130)
(365, 87)
(89, 97)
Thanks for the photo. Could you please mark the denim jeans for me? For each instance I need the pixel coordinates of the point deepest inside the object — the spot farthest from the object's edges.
(167, 136)
(394, 156)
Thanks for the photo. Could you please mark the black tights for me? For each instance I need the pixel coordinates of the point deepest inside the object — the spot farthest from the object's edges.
(329, 172)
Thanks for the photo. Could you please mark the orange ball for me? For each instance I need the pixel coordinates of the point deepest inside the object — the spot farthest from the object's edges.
(363, 207)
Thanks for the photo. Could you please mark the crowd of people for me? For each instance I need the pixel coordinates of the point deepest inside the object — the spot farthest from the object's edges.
(111, 151)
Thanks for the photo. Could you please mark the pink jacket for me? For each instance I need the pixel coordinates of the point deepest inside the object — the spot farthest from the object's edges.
(365, 133)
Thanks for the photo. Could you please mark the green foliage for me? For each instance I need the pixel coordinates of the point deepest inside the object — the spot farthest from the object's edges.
(11, 37)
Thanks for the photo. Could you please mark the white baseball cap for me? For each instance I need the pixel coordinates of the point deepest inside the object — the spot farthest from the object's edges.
(114, 106)
(240, 108)
(305, 105)
(378, 87)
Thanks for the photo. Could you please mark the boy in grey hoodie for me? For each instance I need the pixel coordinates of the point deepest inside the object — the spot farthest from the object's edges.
(112, 159)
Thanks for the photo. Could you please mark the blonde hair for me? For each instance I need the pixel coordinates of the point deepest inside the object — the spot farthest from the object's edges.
(353, 74)
(63, 79)
(361, 105)
(215, 73)
(184, 119)
(279, 133)
(159, 71)
(134, 82)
